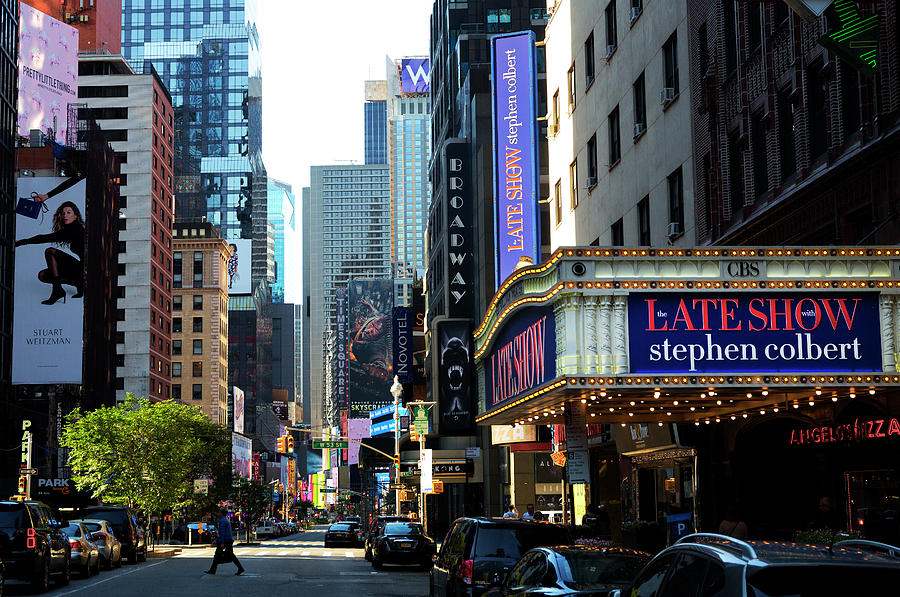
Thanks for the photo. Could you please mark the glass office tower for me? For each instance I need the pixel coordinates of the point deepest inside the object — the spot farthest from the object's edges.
(207, 52)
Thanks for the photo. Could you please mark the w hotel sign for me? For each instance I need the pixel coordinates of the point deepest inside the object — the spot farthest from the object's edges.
(688, 335)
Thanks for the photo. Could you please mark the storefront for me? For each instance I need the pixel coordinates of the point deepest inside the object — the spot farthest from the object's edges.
(711, 343)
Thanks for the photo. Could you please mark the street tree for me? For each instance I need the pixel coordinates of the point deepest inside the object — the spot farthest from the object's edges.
(146, 454)
(253, 499)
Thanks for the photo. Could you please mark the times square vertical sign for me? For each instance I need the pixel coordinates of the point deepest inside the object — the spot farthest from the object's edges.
(515, 132)
(341, 376)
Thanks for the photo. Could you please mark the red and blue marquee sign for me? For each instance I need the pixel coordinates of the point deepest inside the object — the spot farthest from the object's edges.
(753, 332)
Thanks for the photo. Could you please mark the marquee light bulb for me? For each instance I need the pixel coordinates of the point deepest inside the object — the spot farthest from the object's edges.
(818, 392)
(706, 421)
(718, 419)
(659, 423)
(593, 414)
(872, 391)
(834, 398)
(733, 418)
(744, 415)
(703, 395)
(630, 414)
(762, 411)
(719, 402)
(623, 424)
(632, 403)
(652, 409)
(668, 414)
(656, 394)
(852, 394)
(796, 405)
(765, 392)
(675, 402)
(602, 394)
(749, 395)
(697, 423)
(693, 409)
(612, 410)
(812, 402)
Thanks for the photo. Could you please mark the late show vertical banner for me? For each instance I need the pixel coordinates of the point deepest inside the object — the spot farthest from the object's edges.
(516, 172)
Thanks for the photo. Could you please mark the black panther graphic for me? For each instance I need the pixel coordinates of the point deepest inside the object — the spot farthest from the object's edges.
(455, 378)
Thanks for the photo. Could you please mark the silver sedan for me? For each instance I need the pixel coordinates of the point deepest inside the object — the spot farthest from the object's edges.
(102, 534)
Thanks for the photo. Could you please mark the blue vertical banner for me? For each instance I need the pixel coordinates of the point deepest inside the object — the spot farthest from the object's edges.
(516, 172)
(403, 344)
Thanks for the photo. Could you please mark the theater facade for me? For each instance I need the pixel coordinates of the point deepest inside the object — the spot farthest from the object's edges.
(691, 383)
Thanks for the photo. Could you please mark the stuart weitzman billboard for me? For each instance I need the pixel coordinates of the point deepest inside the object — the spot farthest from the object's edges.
(516, 173)
(48, 72)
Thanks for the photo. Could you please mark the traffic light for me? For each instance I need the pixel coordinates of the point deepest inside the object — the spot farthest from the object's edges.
(23, 480)
(413, 435)
(290, 444)
(281, 445)
(276, 491)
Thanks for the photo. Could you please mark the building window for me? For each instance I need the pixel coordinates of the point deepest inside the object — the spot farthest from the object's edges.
(176, 347)
(643, 211)
(197, 369)
(198, 346)
(198, 324)
(176, 391)
(736, 169)
(754, 27)
(571, 81)
(850, 89)
(639, 94)
(670, 60)
(176, 369)
(760, 155)
(198, 269)
(676, 203)
(176, 325)
(555, 122)
(557, 199)
(176, 270)
(617, 233)
(592, 161)
(818, 113)
(589, 60)
(612, 40)
(573, 184)
(730, 38)
(786, 143)
(615, 140)
(198, 302)
(197, 391)
(176, 302)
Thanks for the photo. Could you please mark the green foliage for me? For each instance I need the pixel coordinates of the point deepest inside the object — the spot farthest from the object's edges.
(146, 454)
(253, 499)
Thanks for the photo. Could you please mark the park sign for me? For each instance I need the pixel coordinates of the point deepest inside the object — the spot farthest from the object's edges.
(331, 444)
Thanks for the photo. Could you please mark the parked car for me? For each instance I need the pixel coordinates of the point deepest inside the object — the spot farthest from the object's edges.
(377, 525)
(403, 543)
(476, 550)
(126, 528)
(571, 571)
(32, 547)
(85, 552)
(340, 533)
(708, 564)
(266, 529)
(105, 537)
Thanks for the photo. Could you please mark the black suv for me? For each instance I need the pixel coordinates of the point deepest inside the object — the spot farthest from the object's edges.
(32, 546)
(477, 550)
(126, 528)
(719, 566)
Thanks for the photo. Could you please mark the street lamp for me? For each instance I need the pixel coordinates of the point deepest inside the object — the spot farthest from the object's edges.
(397, 393)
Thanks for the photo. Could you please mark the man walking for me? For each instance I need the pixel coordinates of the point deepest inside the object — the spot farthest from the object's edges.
(225, 546)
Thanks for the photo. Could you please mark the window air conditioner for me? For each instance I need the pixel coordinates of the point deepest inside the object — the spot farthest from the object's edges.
(639, 129)
(635, 13)
(667, 95)
(674, 229)
(609, 51)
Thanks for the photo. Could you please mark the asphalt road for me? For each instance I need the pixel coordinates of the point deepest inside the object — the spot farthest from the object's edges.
(292, 565)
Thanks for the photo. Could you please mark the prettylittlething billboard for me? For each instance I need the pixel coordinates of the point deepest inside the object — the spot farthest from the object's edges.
(48, 73)
(48, 320)
(515, 151)
(415, 75)
(239, 266)
(753, 332)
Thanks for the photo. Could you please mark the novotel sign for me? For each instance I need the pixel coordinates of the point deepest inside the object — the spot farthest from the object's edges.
(523, 357)
(753, 332)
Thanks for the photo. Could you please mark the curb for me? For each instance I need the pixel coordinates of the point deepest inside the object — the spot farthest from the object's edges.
(162, 553)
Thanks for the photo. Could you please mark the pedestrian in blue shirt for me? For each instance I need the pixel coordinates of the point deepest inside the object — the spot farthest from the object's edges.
(225, 546)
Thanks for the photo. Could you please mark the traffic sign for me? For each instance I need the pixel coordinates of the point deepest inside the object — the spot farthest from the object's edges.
(408, 473)
(396, 487)
(331, 444)
(421, 421)
(328, 490)
(201, 486)
(27, 471)
(437, 486)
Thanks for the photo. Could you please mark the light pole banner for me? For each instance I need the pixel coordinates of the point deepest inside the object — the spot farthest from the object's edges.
(426, 474)
(516, 173)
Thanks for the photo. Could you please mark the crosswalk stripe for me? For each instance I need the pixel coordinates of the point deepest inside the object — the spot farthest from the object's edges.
(303, 554)
(326, 553)
(283, 552)
(348, 554)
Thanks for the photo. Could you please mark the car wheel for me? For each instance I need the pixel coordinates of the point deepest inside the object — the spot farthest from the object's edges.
(41, 582)
(66, 575)
(118, 563)
(142, 556)
(377, 564)
(86, 571)
(368, 555)
(97, 566)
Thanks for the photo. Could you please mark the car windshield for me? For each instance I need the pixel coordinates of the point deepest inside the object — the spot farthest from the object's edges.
(12, 516)
(93, 527)
(340, 527)
(818, 580)
(511, 542)
(72, 530)
(589, 569)
(402, 528)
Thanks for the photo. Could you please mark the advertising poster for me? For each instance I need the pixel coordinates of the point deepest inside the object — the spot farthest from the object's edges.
(242, 455)
(403, 344)
(754, 332)
(415, 75)
(357, 429)
(238, 409)
(341, 349)
(48, 322)
(239, 266)
(515, 151)
(48, 73)
(371, 364)
(455, 403)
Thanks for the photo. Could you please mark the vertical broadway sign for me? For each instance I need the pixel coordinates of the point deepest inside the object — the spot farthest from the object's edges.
(460, 244)
(515, 152)
(341, 374)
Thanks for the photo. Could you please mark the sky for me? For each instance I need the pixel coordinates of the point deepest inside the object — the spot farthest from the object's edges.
(316, 57)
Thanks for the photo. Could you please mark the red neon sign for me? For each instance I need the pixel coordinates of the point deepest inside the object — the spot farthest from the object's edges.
(857, 431)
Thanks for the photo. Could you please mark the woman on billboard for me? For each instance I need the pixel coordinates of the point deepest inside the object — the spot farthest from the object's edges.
(62, 268)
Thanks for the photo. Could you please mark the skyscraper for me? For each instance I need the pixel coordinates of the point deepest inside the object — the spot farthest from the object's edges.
(375, 120)
(208, 54)
(283, 223)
